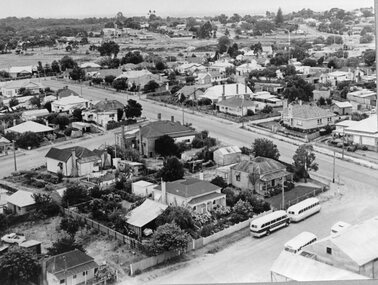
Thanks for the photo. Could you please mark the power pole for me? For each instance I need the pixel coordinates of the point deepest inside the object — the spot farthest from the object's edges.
(376, 52)
(14, 156)
(283, 193)
(334, 165)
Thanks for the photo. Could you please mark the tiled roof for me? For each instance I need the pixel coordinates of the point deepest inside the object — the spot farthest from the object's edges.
(70, 263)
(207, 197)
(236, 102)
(161, 128)
(65, 92)
(21, 198)
(190, 187)
(108, 105)
(65, 154)
(260, 165)
(307, 111)
(189, 90)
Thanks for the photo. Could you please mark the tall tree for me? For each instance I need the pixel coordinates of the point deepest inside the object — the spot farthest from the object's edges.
(172, 170)
(109, 48)
(133, 109)
(165, 146)
(178, 215)
(279, 17)
(63, 245)
(265, 148)
(304, 161)
(67, 62)
(19, 267)
(169, 237)
(223, 44)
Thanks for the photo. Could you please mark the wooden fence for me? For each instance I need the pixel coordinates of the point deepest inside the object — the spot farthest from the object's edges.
(132, 243)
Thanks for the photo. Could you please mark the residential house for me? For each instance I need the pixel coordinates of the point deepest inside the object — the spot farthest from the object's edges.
(248, 67)
(102, 73)
(103, 112)
(149, 133)
(354, 249)
(341, 126)
(29, 126)
(271, 87)
(69, 104)
(237, 106)
(264, 98)
(260, 174)
(321, 93)
(142, 188)
(65, 92)
(72, 161)
(191, 92)
(189, 68)
(12, 88)
(21, 202)
(34, 114)
(363, 98)
(112, 32)
(227, 155)
(220, 66)
(21, 71)
(141, 77)
(144, 216)
(336, 77)
(5, 145)
(70, 268)
(199, 195)
(225, 172)
(106, 158)
(290, 267)
(134, 168)
(203, 78)
(342, 108)
(306, 116)
(364, 133)
(32, 246)
(221, 92)
(90, 66)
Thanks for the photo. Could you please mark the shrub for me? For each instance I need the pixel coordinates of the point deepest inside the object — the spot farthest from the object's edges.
(250, 112)
(219, 181)
(207, 230)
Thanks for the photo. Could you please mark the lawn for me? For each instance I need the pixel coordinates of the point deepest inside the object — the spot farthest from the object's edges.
(297, 194)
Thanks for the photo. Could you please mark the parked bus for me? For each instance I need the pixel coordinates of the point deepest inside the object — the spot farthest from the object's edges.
(298, 242)
(303, 209)
(339, 227)
(266, 224)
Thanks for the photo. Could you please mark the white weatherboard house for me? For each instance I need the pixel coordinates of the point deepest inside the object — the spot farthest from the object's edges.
(227, 155)
(21, 202)
(69, 103)
(29, 126)
(142, 188)
(364, 132)
(221, 92)
(12, 88)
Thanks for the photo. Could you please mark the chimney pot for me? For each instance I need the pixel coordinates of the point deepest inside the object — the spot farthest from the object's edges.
(172, 118)
(159, 116)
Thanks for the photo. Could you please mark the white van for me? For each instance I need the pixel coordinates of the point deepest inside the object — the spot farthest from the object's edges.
(296, 244)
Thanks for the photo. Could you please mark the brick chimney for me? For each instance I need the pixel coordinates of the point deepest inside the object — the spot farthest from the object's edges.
(246, 88)
(140, 141)
(237, 89)
(74, 167)
(159, 116)
(172, 118)
(163, 192)
(201, 177)
(224, 92)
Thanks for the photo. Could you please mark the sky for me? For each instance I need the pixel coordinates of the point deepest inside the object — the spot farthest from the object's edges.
(108, 8)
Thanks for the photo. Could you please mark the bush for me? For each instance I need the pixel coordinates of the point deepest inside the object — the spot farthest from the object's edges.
(219, 181)
(250, 112)
(207, 230)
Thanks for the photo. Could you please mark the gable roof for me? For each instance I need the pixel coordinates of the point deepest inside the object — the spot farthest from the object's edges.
(343, 104)
(260, 165)
(190, 187)
(228, 150)
(105, 72)
(21, 198)
(4, 141)
(216, 91)
(21, 69)
(148, 211)
(368, 125)
(189, 90)
(69, 100)
(65, 153)
(89, 65)
(161, 128)
(307, 111)
(29, 126)
(70, 263)
(17, 84)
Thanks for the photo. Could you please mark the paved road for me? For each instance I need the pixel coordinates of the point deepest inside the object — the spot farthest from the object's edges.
(230, 133)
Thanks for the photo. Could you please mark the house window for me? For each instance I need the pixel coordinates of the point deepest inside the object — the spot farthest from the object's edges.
(237, 176)
(74, 277)
(299, 123)
(194, 208)
(329, 250)
(85, 273)
(62, 281)
(319, 121)
(329, 120)
(214, 202)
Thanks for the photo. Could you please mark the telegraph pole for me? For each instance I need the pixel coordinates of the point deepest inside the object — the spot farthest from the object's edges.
(334, 165)
(376, 52)
(14, 156)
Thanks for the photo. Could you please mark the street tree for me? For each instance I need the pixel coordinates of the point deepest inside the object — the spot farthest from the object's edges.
(265, 148)
(151, 86)
(109, 79)
(55, 67)
(165, 146)
(298, 88)
(62, 121)
(172, 170)
(223, 44)
(205, 31)
(67, 62)
(77, 73)
(75, 194)
(304, 161)
(133, 109)
(35, 101)
(120, 84)
(19, 267)
(169, 237)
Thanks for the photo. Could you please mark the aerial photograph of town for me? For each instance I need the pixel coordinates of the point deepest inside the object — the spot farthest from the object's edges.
(188, 142)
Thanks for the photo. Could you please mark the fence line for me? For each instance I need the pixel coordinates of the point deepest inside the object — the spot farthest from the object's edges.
(132, 243)
(305, 196)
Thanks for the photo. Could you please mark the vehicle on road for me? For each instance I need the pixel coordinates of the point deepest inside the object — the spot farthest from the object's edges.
(13, 238)
(296, 244)
(339, 227)
(268, 223)
(303, 209)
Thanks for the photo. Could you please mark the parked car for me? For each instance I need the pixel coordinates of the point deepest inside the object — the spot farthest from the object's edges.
(13, 238)
(352, 148)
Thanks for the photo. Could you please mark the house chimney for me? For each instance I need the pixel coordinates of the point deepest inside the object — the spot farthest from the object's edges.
(246, 89)
(224, 92)
(159, 116)
(237, 89)
(172, 118)
(74, 168)
(14, 122)
(123, 146)
(167, 86)
(300, 102)
(163, 192)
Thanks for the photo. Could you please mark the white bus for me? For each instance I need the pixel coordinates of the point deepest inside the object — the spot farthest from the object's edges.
(339, 227)
(303, 209)
(297, 243)
(266, 224)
